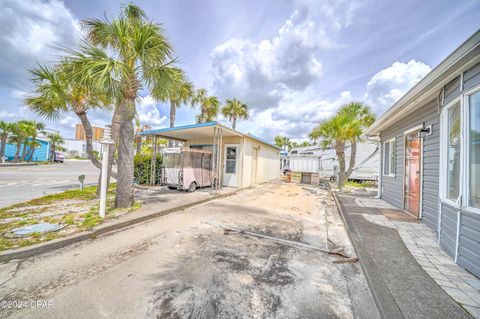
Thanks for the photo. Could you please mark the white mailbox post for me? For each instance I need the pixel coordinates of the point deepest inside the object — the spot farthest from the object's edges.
(106, 142)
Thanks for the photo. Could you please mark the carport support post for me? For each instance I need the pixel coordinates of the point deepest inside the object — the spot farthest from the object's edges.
(153, 163)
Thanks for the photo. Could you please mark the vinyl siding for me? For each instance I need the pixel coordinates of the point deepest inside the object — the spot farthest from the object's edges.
(448, 230)
(393, 186)
(452, 90)
(469, 242)
(472, 77)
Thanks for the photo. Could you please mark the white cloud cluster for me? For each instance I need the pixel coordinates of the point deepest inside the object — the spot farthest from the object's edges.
(148, 112)
(388, 85)
(261, 73)
(28, 30)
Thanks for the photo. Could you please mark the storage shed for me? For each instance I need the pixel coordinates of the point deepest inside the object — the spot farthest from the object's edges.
(240, 160)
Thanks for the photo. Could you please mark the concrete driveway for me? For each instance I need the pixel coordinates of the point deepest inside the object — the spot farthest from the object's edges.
(18, 184)
(180, 266)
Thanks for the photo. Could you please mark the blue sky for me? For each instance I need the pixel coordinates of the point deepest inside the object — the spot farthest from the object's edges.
(293, 62)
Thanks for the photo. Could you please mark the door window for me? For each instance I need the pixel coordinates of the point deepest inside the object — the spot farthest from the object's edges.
(231, 165)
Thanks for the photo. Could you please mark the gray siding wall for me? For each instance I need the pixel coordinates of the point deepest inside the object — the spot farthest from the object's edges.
(393, 186)
(469, 242)
(448, 229)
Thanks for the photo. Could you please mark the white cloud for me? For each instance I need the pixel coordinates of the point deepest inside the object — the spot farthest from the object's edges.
(148, 112)
(28, 30)
(388, 85)
(262, 73)
(276, 76)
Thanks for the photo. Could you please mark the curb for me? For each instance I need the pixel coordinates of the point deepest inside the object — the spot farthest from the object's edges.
(21, 253)
(384, 300)
(17, 164)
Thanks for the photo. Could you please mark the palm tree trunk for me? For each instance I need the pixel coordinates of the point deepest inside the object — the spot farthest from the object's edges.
(3, 146)
(234, 123)
(353, 156)
(24, 150)
(125, 192)
(87, 126)
(17, 152)
(340, 150)
(30, 156)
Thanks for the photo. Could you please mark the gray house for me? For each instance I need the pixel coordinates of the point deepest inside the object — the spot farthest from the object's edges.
(430, 153)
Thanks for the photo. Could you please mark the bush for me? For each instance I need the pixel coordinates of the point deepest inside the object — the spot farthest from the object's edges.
(141, 164)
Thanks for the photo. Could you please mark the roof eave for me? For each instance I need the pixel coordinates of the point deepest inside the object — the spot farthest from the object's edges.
(409, 99)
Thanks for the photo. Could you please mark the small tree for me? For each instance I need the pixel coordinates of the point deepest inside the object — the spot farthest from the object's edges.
(283, 142)
(209, 105)
(5, 129)
(233, 110)
(56, 141)
(346, 126)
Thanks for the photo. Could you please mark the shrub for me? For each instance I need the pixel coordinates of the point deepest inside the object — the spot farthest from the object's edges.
(141, 163)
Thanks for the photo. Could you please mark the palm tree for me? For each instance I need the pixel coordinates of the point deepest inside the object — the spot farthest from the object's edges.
(209, 105)
(177, 94)
(56, 141)
(5, 129)
(233, 110)
(18, 137)
(32, 145)
(32, 128)
(283, 142)
(141, 55)
(346, 126)
(56, 93)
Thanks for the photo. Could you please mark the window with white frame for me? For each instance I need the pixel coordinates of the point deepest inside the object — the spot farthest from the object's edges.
(460, 173)
(454, 130)
(473, 159)
(389, 152)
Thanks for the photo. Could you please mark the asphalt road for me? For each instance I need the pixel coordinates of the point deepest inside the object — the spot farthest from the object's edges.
(181, 266)
(18, 184)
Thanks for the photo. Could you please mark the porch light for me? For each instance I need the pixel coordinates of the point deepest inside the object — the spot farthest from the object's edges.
(424, 132)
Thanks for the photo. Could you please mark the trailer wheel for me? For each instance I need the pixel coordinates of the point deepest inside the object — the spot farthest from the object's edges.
(192, 187)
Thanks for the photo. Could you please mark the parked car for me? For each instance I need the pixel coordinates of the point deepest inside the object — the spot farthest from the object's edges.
(59, 157)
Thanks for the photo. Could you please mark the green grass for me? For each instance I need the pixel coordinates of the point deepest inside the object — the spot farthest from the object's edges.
(362, 184)
(88, 193)
(74, 221)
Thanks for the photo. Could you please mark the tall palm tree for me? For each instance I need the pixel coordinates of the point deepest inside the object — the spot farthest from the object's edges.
(359, 117)
(209, 105)
(32, 146)
(121, 55)
(56, 141)
(5, 129)
(32, 128)
(233, 110)
(178, 93)
(346, 126)
(283, 142)
(18, 137)
(57, 93)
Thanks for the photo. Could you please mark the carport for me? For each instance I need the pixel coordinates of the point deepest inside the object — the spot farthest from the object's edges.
(238, 160)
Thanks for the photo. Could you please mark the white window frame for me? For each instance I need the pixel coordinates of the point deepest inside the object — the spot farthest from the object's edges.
(392, 169)
(444, 152)
(466, 168)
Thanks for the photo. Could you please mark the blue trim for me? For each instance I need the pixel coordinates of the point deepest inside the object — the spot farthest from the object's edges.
(262, 140)
(177, 128)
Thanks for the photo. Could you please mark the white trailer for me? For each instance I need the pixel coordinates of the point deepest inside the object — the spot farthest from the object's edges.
(314, 159)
